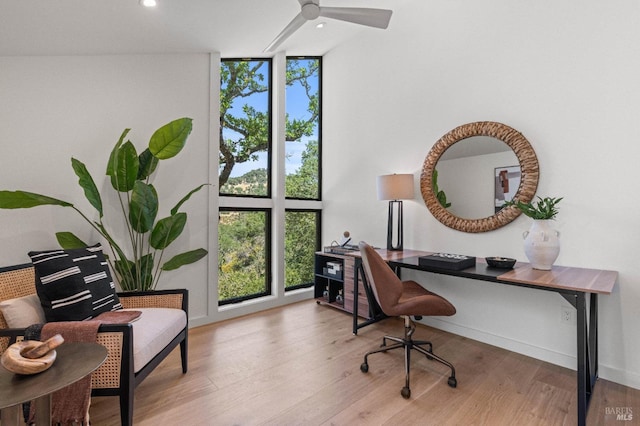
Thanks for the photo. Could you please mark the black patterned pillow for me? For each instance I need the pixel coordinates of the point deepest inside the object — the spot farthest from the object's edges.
(74, 285)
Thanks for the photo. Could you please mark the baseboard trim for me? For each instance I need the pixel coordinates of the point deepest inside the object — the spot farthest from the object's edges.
(568, 361)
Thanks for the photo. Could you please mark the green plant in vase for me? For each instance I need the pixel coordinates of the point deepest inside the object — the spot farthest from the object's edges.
(541, 241)
(147, 235)
(543, 209)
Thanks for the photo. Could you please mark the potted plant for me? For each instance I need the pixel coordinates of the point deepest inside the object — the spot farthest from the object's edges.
(541, 242)
(140, 267)
(543, 209)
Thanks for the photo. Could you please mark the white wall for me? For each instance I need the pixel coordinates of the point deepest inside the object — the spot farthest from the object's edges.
(55, 108)
(562, 73)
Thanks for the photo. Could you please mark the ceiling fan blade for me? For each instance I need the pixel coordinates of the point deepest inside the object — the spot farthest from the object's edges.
(378, 18)
(291, 28)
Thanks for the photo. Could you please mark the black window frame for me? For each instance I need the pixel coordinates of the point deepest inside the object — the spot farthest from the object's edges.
(269, 193)
(320, 83)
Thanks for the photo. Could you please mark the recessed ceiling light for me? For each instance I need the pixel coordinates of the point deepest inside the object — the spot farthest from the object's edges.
(148, 3)
(321, 24)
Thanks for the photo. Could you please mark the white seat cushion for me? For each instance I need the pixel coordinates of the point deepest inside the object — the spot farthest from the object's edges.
(153, 331)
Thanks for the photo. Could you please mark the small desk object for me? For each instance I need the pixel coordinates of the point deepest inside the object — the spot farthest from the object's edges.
(576, 285)
(73, 362)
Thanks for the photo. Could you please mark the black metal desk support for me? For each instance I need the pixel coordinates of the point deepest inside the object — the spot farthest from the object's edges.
(375, 313)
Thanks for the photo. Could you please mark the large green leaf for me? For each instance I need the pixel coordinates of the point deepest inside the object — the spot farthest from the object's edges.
(168, 140)
(110, 163)
(186, 197)
(143, 207)
(86, 182)
(184, 259)
(148, 164)
(68, 241)
(25, 200)
(124, 168)
(167, 230)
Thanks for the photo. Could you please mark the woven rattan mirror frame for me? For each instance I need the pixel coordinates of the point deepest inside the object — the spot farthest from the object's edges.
(528, 183)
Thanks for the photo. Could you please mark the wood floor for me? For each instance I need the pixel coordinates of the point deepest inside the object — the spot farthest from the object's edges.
(300, 365)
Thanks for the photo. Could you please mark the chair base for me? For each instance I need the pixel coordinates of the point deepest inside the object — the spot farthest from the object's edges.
(407, 343)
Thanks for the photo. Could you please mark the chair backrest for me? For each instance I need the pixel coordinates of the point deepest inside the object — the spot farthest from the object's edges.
(385, 284)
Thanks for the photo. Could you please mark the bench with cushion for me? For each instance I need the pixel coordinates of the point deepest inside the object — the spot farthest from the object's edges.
(134, 349)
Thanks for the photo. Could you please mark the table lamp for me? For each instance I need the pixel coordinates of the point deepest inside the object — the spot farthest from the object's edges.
(395, 187)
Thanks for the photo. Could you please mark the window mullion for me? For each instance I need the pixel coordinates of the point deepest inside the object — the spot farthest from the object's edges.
(278, 118)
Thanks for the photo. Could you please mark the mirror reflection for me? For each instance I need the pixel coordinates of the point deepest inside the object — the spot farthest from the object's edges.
(478, 174)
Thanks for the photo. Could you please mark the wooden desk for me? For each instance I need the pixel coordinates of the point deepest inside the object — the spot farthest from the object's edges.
(73, 362)
(574, 284)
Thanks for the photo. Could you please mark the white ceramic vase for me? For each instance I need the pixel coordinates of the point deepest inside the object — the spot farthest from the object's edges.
(542, 244)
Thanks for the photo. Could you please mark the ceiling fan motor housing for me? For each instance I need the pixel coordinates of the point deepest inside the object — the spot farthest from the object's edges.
(310, 11)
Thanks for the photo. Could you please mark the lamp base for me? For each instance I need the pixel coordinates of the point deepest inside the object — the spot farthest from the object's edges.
(394, 205)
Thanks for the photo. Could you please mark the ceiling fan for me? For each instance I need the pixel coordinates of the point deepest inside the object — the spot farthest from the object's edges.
(311, 9)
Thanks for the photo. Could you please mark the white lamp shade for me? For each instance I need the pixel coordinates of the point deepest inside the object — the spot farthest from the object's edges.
(395, 187)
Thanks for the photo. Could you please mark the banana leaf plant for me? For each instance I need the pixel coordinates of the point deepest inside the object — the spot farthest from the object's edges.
(148, 236)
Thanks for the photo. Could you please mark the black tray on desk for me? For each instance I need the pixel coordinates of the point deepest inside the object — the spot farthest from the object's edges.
(454, 262)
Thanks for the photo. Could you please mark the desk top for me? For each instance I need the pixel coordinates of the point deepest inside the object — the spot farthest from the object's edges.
(73, 362)
(558, 278)
(564, 277)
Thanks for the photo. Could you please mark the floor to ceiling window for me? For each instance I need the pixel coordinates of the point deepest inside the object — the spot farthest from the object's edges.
(246, 177)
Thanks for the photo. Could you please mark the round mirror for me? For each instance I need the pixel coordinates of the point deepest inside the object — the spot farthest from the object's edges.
(472, 170)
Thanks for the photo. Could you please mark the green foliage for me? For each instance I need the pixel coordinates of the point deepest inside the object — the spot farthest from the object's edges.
(129, 174)
(305, 182)
(253, 182)
(24, 200)
(544, 208)
(440, 195)
(242, 254)
(299, 250)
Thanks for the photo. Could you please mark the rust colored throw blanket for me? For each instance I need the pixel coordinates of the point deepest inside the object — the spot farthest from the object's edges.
(70, 405)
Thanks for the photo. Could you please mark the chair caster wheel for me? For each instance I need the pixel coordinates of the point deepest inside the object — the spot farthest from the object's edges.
(452, 382)
(406, 393)
(364, 367)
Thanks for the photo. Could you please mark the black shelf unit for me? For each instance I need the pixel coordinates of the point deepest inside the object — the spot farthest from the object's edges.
(329, 288)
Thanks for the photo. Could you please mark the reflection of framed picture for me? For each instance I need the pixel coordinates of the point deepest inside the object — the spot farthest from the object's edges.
(507, 182)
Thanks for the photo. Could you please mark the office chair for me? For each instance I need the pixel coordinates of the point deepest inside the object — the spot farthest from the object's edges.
(403, 299)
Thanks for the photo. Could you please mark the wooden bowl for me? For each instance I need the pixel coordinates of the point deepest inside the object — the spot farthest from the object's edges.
(14, 361)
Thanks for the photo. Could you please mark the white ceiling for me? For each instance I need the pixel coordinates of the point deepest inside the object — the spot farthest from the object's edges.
(235, 28)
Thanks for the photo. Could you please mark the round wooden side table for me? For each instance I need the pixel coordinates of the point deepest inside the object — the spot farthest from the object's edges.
(73, 362)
